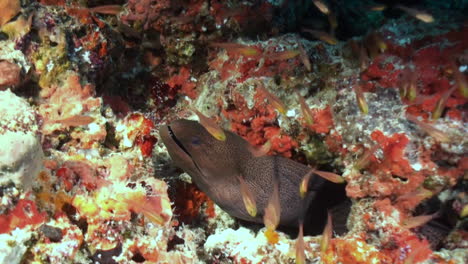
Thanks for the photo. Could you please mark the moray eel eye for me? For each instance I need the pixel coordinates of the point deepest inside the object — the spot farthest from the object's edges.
(196, 141)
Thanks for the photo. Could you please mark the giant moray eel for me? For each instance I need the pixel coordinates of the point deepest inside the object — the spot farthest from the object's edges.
(215, 166)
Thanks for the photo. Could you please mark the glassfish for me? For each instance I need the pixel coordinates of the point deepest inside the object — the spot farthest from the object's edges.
(247, 197)
(305, 110)
(440, 105)
(321, 6)
(361, 99)
(107, 9)
(262, 150)
(364, 160)
(327, 235)
(421, 15)
(325, 37)
(437, 134)
(272, 99)
(77, 120)
(244, 50)
(330, 176)
(210, 126)
(300, 247)
(416, 221)
(304, 57)
(303, 187)
(271, 217)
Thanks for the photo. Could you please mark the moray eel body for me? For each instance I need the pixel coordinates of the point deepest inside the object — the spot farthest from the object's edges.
(214, 166)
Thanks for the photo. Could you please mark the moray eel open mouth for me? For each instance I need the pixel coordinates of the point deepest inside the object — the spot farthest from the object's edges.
(173, 137)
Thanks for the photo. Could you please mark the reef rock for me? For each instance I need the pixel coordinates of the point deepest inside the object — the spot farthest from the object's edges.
(21, 152)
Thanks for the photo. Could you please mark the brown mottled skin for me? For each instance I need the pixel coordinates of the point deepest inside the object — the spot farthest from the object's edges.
(214, 166)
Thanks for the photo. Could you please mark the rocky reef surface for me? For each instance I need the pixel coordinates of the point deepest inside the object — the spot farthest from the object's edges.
(375, 93)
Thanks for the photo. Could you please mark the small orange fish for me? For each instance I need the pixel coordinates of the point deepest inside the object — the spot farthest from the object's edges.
(421, 15)
(304, 57)
(363, 57)
(321, 6)
(437, 134)
(273, 99)
(460, 79)
(420, 194)
(409, 85)
(271, 217)
(107, 9)
(325, 37)
(282, 55)
(262, 150)
(244, 50)
(377, 39)
(300, 247)
(377, 7)
(210, 126)
(303, 187)
(247, 197)
(181, 20)
(75, 121)
(364, 160)
(330, 176)
(440, 105)
(416, 221)
(361, 99)
(305, 110)
(327, 235)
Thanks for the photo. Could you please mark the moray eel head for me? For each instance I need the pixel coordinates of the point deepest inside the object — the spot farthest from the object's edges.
(211, 163)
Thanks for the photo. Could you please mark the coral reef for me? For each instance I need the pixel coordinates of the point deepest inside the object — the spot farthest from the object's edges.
(370, 92)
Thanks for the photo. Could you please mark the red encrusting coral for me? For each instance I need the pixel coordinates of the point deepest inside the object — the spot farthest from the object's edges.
(259, 124)
(394, 161)
(432, 67)
(23, 214)
(139, 130)
(405, 245)
(392, 174)
(188, 201)
(183, 83)
(323, 120)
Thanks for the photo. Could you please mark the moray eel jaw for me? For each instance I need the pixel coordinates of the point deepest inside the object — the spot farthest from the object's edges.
(177, 151)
